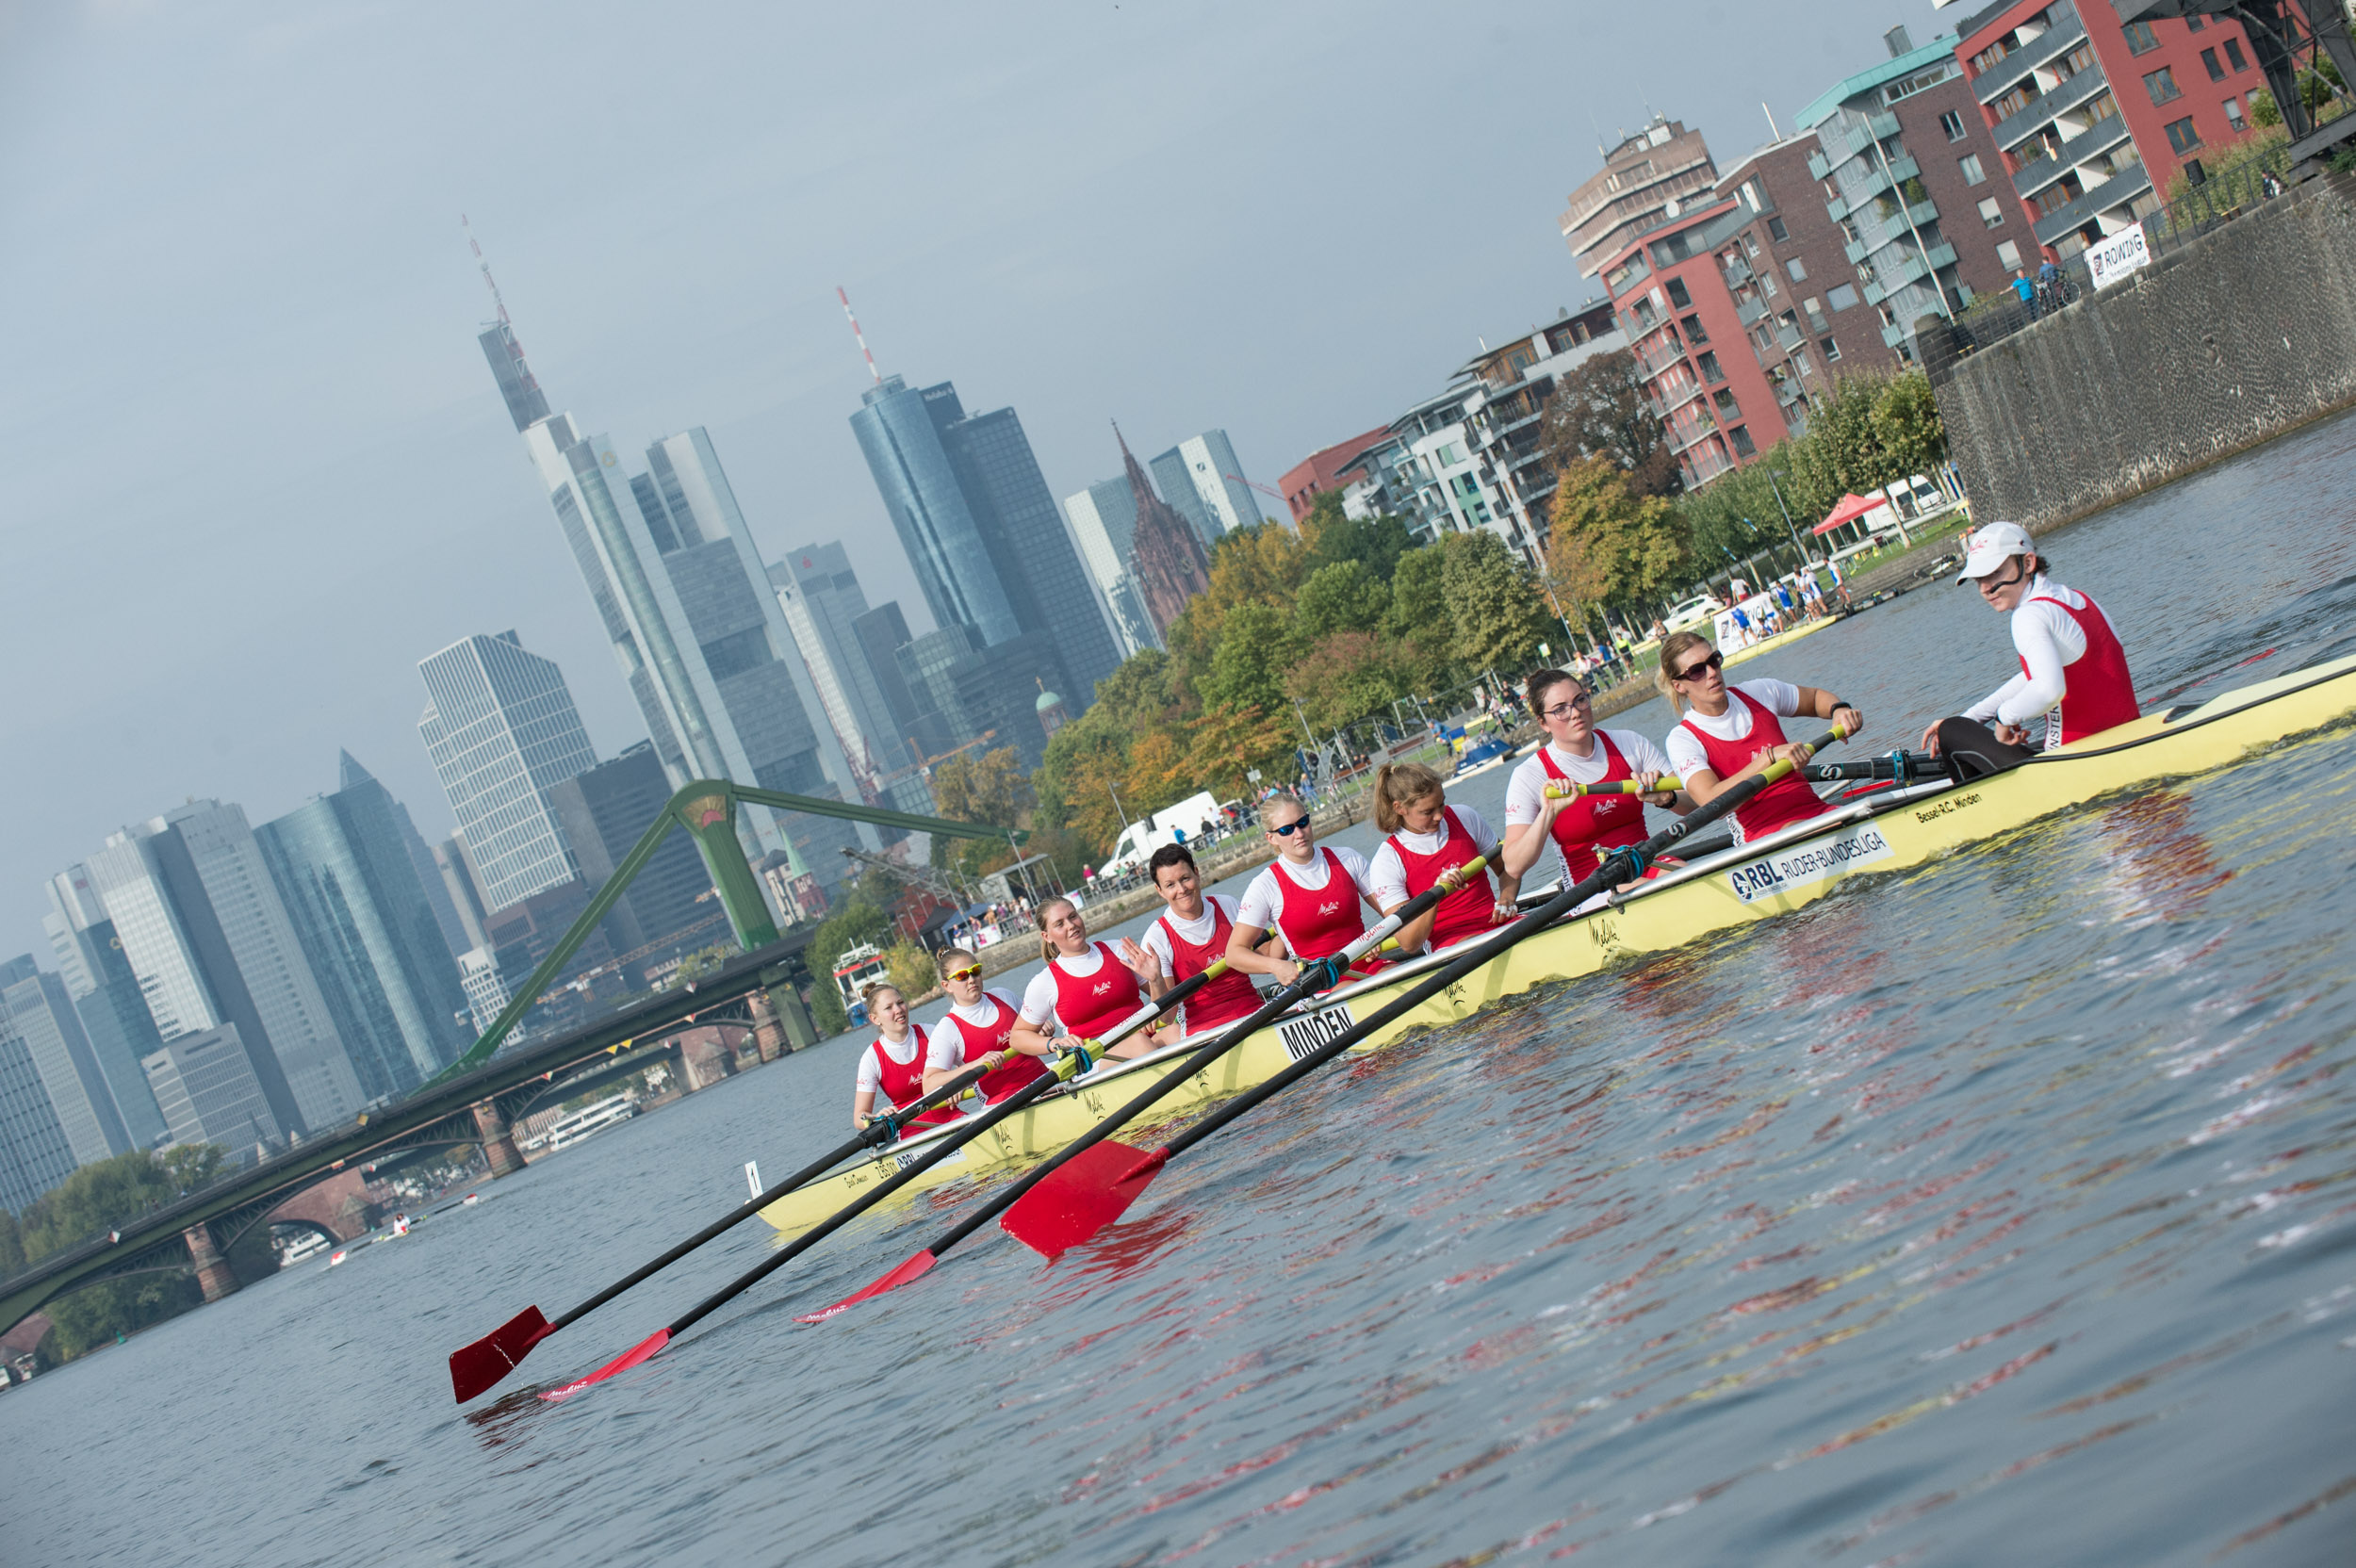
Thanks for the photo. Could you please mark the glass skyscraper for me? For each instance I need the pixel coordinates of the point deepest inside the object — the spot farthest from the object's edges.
(823, 602)
(1201, 478)
(899, 430)
(34, 1007)
(1104, 519)
(604, 812)
(501, 728)
(209, 1092)
(97, 975)
(363, 918)
(34, 1153)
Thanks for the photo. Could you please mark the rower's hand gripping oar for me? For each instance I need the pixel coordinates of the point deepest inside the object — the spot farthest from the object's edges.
(955, 1136)
(1315, 976)
(475, 1368)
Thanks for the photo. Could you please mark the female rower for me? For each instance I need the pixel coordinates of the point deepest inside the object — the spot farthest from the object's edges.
(1082, 992)
(893, 1063)
(1312, 897)
(2073, 673)
(1188, 937)
(1581, 827)
(1731, 733)
(1429, 844)
(979, 1027)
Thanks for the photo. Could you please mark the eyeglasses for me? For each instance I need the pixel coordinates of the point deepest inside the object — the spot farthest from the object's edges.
(1695, 671)
(1564, 710)
(970, 971)
(1290, 828)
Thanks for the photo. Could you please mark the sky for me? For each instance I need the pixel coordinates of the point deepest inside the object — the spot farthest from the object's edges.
(257, 468)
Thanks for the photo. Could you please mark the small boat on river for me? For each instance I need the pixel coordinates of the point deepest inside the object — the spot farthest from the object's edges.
(1893, 828)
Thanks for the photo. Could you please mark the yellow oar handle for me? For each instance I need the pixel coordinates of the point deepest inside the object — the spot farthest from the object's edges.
(1616, 787)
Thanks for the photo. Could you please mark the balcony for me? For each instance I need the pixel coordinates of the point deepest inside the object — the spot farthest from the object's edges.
(1857, 250)
(1817, 167)
(2047, 47)
(1750, 310)
(2116, 191)
(2101, 137)
(1922, 212)
(2031, 118)
(1913, 266)
(1877, 180)
(1789, 334)
(1738, 273)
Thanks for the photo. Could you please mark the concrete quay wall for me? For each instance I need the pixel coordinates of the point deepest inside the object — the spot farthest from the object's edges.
(2245, 334)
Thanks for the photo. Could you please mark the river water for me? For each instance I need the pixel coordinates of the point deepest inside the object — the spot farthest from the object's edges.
(2000, 1212)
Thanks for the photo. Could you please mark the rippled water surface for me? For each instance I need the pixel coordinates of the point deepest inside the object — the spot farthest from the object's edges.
(1999, 1211)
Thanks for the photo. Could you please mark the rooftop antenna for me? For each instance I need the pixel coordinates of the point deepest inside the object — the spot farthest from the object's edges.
(475, 246)
(1773, 133)
(855, 333)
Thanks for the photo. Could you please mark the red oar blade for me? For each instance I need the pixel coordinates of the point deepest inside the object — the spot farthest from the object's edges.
(475, 1367)
(622, 1363)
(1081, 1197)
(920, 1263)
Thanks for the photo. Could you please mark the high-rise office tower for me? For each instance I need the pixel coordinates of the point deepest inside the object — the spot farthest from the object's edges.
(899, 433)
(671, 565)
(1104, 519)
(208, 939)
(501, 730)
(361, 916)
(605, 810)
(822, 600)
(34, 1153)
(210, 1093)
(1172, 565)
(437, 893)
(1201, 478)
(35, 1007)
(106, 993)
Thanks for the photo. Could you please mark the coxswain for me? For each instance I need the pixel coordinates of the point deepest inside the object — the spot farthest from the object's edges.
(1082, 994)
(1542, 804)
(1314, 898)
(893, 1063)
(2073, 673)
(1730, 733)
(1185, 939)
(1429, 844)
(978, 1027)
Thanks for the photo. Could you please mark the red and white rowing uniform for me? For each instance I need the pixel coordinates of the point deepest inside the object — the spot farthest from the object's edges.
(1586, 825)
(1318, 908)
(967, 1034)
(895, 1070)
(2073, 673)
(1187, 948)
(1086, 996)
(1410, 863)
(1726, 742)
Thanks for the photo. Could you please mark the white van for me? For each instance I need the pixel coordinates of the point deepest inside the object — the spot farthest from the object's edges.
(1139, 839)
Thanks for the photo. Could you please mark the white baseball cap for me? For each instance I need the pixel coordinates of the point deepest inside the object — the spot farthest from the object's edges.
(1991, 547)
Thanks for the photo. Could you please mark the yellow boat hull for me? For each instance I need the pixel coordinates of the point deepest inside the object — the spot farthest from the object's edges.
(1887, 832)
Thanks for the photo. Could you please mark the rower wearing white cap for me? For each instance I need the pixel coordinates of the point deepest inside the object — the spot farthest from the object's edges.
(2073, 673)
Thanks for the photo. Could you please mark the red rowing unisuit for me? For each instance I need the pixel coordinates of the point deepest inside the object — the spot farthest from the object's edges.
(2098, 693)
(1222, 1000)
(1462, 913)
(1779, 805)
(1321, 922)
(904, 1082)
(1090, 1006)
(979, 1040)
(1615, 822)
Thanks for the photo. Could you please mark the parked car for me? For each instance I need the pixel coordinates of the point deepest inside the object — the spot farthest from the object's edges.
(1694, 611)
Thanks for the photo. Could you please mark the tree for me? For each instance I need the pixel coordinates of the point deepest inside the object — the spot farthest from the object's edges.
(1341, 595)
(1610, 544)
(93, 1201)
(190, 1166)
(1227, 742)
(990, 789)
(1906, 424)
(1376, 543)
(1499, 611)
(859, 921)
(1346, 676)
(1599, 409)
(911, 967)
(1255, 646)
(1261, 565)
(11, 1245)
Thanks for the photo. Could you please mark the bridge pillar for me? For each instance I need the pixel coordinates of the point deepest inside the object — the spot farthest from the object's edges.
(768, 1035)
(499, 1144)
(704, 1058)
(213, 1274)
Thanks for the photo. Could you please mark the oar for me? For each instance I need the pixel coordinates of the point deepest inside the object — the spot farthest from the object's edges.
(947, 1143)
(1089, 1195)
(1314, 978)
(474, 1368)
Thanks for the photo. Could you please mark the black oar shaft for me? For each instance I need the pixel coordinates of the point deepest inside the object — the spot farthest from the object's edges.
(1169, 1081)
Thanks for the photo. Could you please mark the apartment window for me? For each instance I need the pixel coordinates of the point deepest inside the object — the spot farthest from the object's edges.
(1992, 213)
(1448, 454)
(2161, 85)
(1797, 269)
(1972, 173)
(1776, 227)
(1694, 333)
(2008, 254)
(1680, 295)
(2196, 22)
(1750, 246)
(2181, 136)
(1741, 437)
(1726, 405)
(2101, 106)
(1815, 309)
(1841, 296)
(1952, 123)
(2234, 54)
(1709, 363)
(1767, 284)
(2234, 115)
(2209, 61)
(1831, 348)
(2141, 40)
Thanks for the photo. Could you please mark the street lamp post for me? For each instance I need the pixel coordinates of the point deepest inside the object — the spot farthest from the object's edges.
(1787, 517)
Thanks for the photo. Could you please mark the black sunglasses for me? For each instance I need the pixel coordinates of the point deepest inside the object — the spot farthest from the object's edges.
(1290, 828)
(1693, 672)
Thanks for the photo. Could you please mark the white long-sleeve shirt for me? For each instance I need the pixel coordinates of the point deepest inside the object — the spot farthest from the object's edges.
(2048, 641)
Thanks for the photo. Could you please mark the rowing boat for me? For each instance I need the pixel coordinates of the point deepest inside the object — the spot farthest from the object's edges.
(1769, 644)
(1892, 830)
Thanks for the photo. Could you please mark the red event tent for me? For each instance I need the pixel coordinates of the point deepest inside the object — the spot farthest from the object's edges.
(1849, 511)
